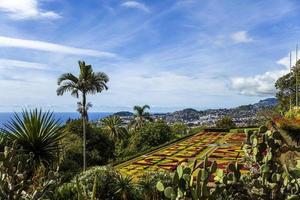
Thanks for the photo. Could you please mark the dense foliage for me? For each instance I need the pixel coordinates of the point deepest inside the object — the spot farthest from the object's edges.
(286, 89)
(225, 122)
(180, 129)
(270, 177)
(20, 179)
(115, 127)
(100, 148)
(150, 135)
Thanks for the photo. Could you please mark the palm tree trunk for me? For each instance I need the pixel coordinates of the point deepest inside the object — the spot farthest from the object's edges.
(124, 196)
(84, 129)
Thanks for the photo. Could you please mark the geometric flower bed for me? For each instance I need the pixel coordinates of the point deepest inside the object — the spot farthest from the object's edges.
(222, 147)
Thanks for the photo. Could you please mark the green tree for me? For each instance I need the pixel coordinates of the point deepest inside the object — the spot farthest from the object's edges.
(151, 135)
(37, 132)
(286, 89)
(179, 129)
(100, 149)
(225, 122)
(114, 124)
(141, 116)
(88, 82)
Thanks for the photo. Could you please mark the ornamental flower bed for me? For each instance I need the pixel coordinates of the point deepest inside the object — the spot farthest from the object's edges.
(221, 147)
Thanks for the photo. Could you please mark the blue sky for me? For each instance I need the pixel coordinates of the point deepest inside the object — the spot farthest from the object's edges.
(169, 54)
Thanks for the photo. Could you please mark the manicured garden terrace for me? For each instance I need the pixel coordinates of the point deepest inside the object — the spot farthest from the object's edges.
(223, 147)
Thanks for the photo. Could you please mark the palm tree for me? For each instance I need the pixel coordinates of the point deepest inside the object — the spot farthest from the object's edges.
(81, 110)
(114, 125)
(36, 132)
(88, 82)
(141, 116)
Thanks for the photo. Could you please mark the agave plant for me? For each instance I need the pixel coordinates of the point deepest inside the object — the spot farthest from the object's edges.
(147, 185)
(123, 186)
(37, 132)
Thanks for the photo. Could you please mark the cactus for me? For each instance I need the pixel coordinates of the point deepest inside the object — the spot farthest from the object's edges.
(81, 190)
(272, 178)
(234, 173)
(262, 129)
(220, 177)
(183, 181)
(16, 176)
(14, 173)
(248, 134)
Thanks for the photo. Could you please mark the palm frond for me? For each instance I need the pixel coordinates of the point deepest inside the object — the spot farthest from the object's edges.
(146, 107)
(115, 126)
(68, 87)
(67, 77)
(97, 82)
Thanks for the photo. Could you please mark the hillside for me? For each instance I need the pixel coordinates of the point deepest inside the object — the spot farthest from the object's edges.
(242, 115)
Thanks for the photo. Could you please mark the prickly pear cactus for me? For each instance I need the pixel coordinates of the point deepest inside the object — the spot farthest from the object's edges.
(184, 184)
(182, 181)
(234, 173)
(248, 134)
(16, 176)
(269, 175)
(14, 173)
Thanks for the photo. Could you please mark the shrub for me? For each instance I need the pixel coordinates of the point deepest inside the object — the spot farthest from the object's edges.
(151, 135)
(100, 149)
(109, 185)
(225, 122)
(179, 129)
(294, 113)
(216, 129)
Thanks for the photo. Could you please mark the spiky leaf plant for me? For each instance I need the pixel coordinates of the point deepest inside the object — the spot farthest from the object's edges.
(37, 132)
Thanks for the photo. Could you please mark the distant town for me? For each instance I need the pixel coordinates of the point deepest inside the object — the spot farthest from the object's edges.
(245, 115)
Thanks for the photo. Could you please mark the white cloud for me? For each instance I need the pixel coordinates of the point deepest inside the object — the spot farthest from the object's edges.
(25, 9)
(163, 88)
(12, 64)
(262, 84)
(259, 85)
(136, 5)
(241, 37)
(50, 47)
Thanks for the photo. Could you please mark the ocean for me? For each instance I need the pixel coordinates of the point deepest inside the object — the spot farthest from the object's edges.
(61, 116)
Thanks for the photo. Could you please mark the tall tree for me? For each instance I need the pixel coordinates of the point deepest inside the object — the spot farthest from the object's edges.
(286, 88)
(88, 82)
(141, 116)
(115, 126)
